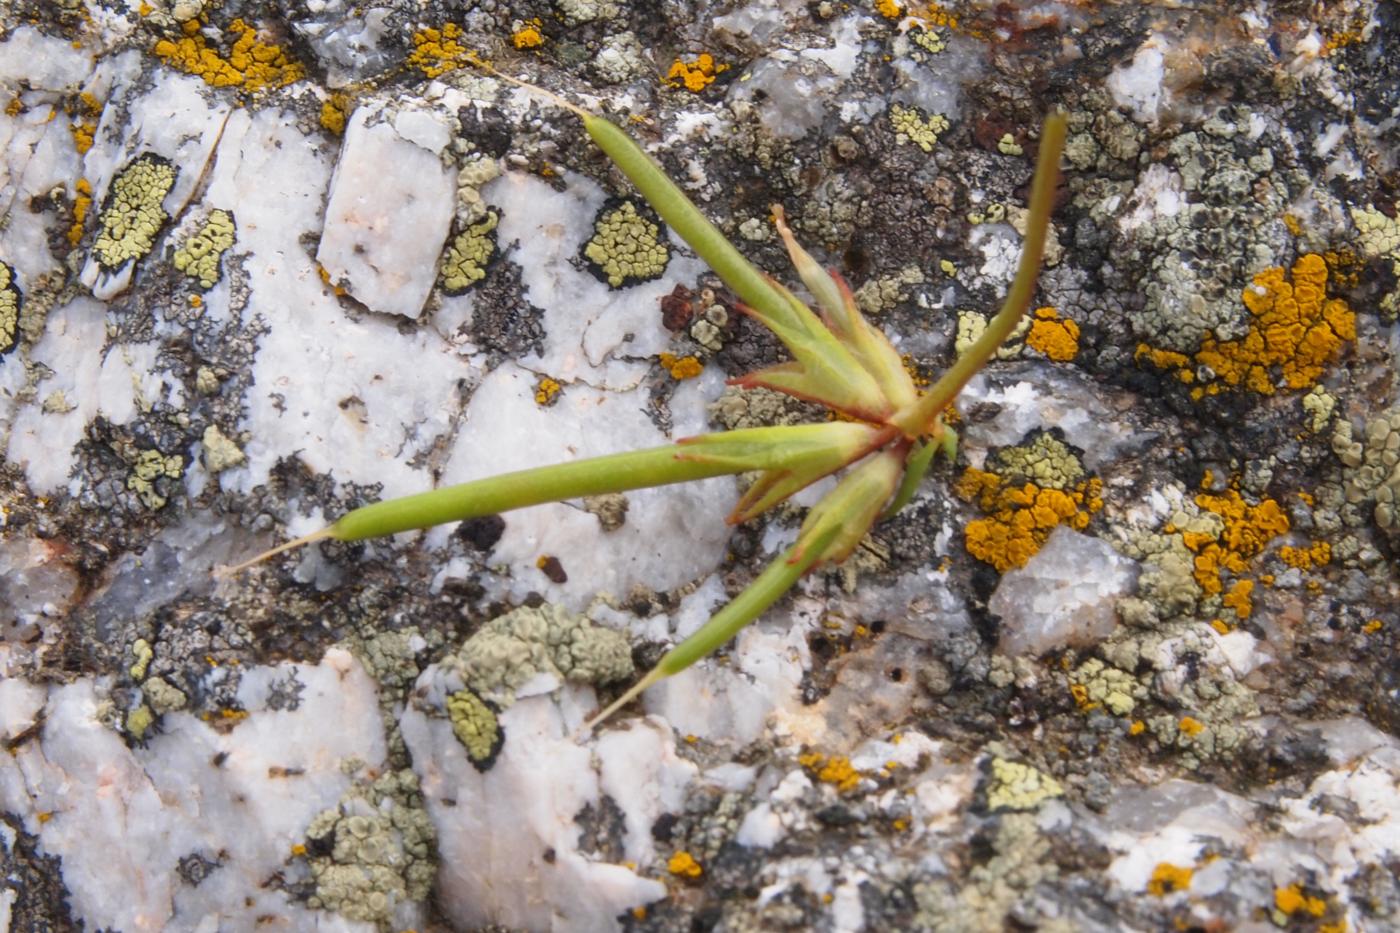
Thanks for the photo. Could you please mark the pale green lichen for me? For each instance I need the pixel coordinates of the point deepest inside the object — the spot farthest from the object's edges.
(626, 247)
(142, 651)
(1319, 404)
(163, 697)
(373, 851)
(9, 309)
(1101, 685)
(468, 254)
(138, 721)
(611, 509)
(513, 648)
(199, 257)
(1021, 860)
(1017, 786)
(150, 466)
(1007, 145)
(220, 453)
(134, 214)
(476, 726)
(912, 126)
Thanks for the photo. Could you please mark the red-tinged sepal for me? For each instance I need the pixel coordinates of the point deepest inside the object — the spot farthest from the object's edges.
(836, 524)
(789, 457)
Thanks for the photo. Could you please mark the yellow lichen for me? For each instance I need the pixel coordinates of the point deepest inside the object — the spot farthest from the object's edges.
(1294, 332)
(835, 770)
(468, 254)
(1056, 337)
(683, 865)
(84, 127)
(437, 51)
(911, 126)
(1168, 879)
(9, 309)
(1292, 900)
(134, 214)
(200, 255)
(681, 367)
(250, 64)
(626, 247)
(695, 75)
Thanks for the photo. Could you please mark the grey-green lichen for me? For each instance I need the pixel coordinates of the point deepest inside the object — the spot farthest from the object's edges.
(1020, 860)
(373, 851)
(134, 214)
(477, 727)
(1013, 785)
(1114, 689)
(626, 247)
(9, 309)
(611, 509)
(162, 696)
(885, 292)
(513, 648)
(468, 254)
(910, 125)
(1044, 460)
(150, 466)
(756, 408)
(1379, 238)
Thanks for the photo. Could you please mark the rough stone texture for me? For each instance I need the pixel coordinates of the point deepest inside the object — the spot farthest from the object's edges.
(883, 750)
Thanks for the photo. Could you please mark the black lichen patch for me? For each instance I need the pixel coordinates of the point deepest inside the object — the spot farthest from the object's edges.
(34, 880)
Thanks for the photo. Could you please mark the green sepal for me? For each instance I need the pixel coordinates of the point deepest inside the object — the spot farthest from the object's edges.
(835, 525)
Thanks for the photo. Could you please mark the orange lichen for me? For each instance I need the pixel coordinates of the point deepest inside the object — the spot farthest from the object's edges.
(1248, 530)
(1306, 558)
(683, 865)
(437, 51)
(889, 9)
(695, 75)
(1168, 879)
(1189, 725)
(82, 203)
(1292, 900)
(681, 367)
(1081, 696)
(1221, 626)
(547, 391)
(1020, 518)
(1137, 728)
(836, 770)
(1373, 626)
(528, 36)
(250, 64)
(1056, 337)
(1294, 332)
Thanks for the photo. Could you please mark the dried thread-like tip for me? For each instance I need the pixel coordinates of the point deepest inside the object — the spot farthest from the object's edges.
(652, 677)
(478, 62)
(272, 552)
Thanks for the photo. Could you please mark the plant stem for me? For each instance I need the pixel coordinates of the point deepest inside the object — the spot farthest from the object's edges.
(917, 418)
